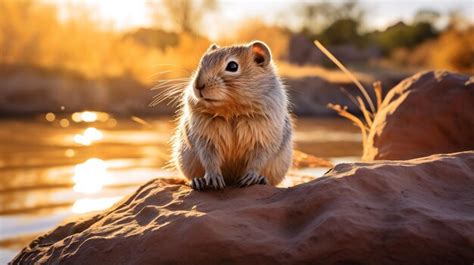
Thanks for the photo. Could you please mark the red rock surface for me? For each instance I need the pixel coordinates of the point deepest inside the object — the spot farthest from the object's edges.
(428, 113)
(394, 212)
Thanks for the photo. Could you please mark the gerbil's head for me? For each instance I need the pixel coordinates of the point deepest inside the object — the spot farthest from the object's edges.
(234, 80)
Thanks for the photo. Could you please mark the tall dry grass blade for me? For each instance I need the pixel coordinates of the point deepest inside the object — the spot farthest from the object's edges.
(357, 103)
(347, 72)
(141, 121)
(365, 112)
(350, 96)
(378, 93)
(344, 113)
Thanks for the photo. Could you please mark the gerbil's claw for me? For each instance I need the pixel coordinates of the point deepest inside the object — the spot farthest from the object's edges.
(262, 180)
(194, 184)
(247, 179)
(198, 184)
(214, 180)
(251, 179)
(221, 183)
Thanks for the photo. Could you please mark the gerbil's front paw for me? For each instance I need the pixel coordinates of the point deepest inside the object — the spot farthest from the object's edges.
(214, 180)
(252, 178)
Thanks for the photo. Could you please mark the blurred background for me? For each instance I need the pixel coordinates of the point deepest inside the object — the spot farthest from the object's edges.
(77, 133)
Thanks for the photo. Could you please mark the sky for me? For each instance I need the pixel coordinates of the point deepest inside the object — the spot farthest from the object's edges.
(125, 14)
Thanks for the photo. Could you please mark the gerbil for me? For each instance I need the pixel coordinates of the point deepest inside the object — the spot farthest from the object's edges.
(234, 126)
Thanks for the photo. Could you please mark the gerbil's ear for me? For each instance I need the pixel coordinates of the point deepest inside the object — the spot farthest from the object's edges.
(212, 47)
(261, 53)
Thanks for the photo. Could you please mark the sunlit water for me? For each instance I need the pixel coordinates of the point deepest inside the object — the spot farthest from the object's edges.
(60, 165)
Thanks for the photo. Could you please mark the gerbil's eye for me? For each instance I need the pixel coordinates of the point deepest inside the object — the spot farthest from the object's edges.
(232, 67)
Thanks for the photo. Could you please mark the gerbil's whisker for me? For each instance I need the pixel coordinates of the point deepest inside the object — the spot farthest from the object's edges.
(177, 68)
(171, 90)
(163, 83)
(159, 73)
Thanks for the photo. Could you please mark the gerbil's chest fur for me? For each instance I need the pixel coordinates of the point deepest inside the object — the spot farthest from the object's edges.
(234, 138)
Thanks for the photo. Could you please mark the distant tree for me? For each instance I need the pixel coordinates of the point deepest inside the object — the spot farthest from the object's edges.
(401, 35)
(341, 31)
(181, 15)
(423, 31)
(426, 15)
(314, 17)
(318, 16)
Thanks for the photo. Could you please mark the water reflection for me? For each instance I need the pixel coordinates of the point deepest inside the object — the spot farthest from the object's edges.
(50, 168)
(50, 116)
(90, 176)
(89, 136)
(64, 123)
(69, 153)
(89, 116)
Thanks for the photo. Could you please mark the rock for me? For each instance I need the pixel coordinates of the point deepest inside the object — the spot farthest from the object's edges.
(310, 95)
(428, 113)
(394, 212)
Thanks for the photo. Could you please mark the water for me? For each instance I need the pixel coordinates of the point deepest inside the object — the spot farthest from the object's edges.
(57, 166)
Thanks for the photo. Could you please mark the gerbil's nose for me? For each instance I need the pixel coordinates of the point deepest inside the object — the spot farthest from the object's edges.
(200, 86)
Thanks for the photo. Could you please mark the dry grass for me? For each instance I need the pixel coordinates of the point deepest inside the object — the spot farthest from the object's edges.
(453, 50)
(36, 35)
(365, 123)
(348, 73)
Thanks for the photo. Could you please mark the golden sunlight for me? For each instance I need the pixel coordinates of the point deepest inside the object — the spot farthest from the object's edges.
(90, 176)
(93, 134)
(88, 116)
(122, 13)
(50, 116)
(69, 153)
(64, 123)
